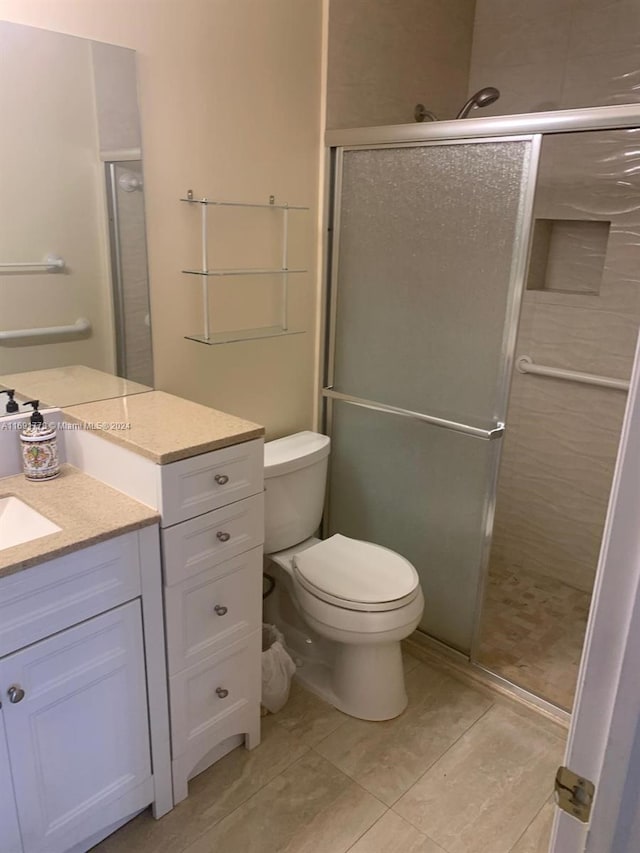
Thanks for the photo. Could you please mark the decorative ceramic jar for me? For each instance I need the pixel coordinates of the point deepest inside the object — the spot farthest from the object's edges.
(39, 452)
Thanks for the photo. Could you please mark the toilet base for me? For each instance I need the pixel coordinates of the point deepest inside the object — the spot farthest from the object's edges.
(368, 681)
(368, 695)
(363, 681)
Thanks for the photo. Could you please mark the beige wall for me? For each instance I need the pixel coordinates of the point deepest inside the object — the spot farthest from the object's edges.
(562, 438)
(230, 105)
(52, 200)
(385, 56)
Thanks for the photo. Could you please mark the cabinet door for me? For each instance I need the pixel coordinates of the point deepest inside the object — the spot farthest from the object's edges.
(78, 736)
(9, 832)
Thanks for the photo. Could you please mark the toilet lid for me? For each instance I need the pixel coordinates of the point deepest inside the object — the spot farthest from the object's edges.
(356, 575)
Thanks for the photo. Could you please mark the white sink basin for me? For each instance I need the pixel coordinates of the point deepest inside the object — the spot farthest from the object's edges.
(19, 523)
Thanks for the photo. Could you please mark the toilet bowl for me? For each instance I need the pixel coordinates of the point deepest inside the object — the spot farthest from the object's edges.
(344, 605)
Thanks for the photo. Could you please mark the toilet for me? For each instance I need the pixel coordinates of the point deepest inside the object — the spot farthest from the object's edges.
(342, 604)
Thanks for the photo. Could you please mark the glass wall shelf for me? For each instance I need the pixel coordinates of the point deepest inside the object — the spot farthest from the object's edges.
(243, 272)
(243, 335)
(211, 338)
(271, 204)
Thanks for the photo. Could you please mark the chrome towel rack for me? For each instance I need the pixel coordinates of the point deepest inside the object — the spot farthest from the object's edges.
(526, 365)
(52, 263)
(80, 326)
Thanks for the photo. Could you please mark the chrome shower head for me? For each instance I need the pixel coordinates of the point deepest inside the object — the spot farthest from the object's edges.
(482, 98)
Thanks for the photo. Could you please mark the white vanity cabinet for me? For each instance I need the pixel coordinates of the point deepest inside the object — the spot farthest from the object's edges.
(213, 530)
(203, 470)
(75, 714)
(10, 841)
(76, 721)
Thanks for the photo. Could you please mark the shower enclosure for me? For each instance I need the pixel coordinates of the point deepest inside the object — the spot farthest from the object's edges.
(443, 236)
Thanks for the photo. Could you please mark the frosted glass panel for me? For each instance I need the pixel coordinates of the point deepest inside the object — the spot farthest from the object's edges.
(427, 240)
(421, 491)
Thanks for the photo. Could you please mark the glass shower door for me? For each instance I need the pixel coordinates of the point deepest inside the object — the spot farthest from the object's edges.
(429, 254)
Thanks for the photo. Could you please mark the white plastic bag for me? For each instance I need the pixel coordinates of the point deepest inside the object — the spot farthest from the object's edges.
(277, 669)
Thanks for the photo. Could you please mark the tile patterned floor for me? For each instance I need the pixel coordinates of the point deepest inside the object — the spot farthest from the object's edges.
(459, 772)
(533, 631)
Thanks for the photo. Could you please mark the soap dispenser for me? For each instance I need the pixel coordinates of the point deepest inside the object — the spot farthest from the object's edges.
(11, 406)
(39, 447)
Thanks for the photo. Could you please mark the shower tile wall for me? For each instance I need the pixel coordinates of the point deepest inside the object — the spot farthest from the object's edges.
(387, 55)
(556, 54)
(561, 442)
(562, 438)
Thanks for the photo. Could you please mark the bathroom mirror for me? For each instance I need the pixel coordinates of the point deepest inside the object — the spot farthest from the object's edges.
(74, 295)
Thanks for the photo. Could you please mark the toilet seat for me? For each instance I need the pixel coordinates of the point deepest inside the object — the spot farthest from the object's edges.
(356, 575)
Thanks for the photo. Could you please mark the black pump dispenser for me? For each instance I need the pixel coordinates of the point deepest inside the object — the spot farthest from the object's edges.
(11, 406)
(36, 418)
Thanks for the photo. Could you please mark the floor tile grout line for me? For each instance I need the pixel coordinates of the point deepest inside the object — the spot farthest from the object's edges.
(429, 838)
(297, 761)
(526, 829)
(420, 663)
(399, 797)
(329, 734)
(375, 823)
(384, 814)
(436, 760)
(244, 801)
(351, 778)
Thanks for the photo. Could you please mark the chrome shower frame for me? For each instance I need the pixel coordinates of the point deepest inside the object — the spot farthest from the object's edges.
(497, 128)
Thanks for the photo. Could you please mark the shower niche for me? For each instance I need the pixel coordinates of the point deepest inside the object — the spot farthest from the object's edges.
(568, 255)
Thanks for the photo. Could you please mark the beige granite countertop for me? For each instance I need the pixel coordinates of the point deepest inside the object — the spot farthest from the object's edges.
(163, 427)
(67, 386)
(85, 509)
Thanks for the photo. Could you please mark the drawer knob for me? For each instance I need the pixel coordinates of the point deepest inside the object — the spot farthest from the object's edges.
(15, 694)
(222, 536)
(221, 692)
(221, 479)
(220, 609)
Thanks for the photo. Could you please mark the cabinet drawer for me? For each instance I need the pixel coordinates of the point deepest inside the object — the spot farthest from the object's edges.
(47, 598)
(200, 544)
(194, 486)
(213, 608)
(209, 700)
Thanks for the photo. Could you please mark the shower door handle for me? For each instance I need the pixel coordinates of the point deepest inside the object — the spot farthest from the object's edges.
(490, 434)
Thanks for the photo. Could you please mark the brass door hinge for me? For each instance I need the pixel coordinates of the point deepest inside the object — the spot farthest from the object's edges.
(574, 794)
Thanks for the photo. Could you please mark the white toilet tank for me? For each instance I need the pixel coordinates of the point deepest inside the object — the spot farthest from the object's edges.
(295, 475)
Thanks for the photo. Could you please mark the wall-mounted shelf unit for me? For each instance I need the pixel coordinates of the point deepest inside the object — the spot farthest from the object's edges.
(248, 271)
(227, 337)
